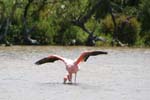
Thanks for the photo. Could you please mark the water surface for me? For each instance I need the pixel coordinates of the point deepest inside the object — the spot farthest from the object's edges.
(123, 74)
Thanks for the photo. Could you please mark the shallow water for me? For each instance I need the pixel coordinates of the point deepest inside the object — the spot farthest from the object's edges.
(123, 74)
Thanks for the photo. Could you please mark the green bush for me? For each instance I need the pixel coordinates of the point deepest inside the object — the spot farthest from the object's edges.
(70, 36)
(130, 32)
(127, 31)
(14, 34)
(144, 15)
(147, 39)
(107, 25)
(44, 32)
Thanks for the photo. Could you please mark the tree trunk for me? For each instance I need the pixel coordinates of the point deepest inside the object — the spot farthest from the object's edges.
(83, 19)
(114, 22)
(26, 37)
(3, 22)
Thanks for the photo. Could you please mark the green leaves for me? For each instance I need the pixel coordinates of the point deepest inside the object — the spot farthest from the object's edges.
(52, 20)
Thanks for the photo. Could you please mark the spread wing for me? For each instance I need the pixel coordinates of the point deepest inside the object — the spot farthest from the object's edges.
(51, 58)
(85, 55)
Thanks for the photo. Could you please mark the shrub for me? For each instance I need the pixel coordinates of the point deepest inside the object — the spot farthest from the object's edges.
(70, 36)
(130, 31)
(14, 34)
(144, 15)
(127, 30)
(107, 25)
(147, 39)
(44, 32)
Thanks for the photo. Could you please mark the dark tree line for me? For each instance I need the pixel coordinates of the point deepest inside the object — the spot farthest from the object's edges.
(50, 21)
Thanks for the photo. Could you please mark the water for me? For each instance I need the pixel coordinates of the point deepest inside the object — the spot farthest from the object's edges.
(123, 74)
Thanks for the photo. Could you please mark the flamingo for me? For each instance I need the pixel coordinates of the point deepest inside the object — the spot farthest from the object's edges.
(72, 66)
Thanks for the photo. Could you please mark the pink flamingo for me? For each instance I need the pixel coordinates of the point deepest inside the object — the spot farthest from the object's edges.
(71, 65)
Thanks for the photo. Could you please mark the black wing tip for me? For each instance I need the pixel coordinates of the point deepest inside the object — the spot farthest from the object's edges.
(105, 52)
(101, 52)
(37, 63)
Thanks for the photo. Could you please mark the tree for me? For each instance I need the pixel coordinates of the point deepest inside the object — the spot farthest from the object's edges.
(43, 20)
(79, 18)
(6, 19)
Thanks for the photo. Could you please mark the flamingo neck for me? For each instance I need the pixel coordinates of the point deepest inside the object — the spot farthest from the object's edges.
(78, 61)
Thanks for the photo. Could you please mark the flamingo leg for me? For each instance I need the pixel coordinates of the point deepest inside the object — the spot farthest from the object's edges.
(70, 77)
(75, 77)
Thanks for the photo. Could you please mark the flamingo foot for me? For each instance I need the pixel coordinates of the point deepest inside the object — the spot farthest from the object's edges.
(70, 82)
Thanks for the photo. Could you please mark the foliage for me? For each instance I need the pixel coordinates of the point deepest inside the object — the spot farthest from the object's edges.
(145, 15)
(147, 40)
(14, 34)
(107, 25)
(43, 32)
(71, 36)
(129, 34)
(127, 31)
(51, 21)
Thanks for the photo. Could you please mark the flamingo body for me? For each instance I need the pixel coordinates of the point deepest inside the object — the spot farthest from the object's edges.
(71, 65)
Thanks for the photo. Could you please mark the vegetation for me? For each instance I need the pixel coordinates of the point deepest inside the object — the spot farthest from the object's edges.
(75, 22)
(128, 28)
